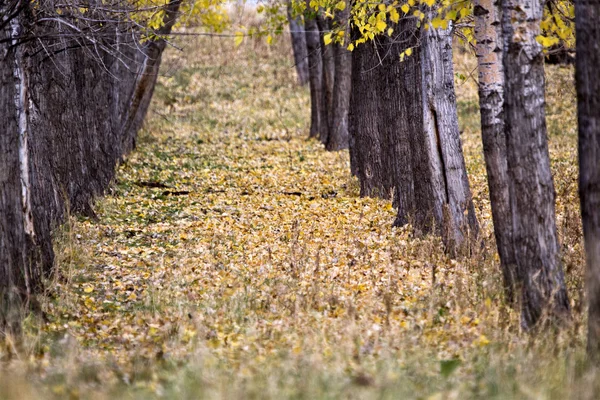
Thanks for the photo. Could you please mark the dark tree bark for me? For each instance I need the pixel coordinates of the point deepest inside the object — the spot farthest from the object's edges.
(367, 148)
(401, 117)
(587, 22)
(531, 186)
(488, 34)
(338, 130)
(327, 52)
(318, 115)
(146, 80)
(453, 211)
(405, 125)
(352, 150)
(20, 270)
(298, 39)
(63, 115)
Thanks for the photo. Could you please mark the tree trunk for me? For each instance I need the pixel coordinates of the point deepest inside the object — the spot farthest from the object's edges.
(75, 113)
(453, 209)
(338, 130)
(352, 152)
(318, 119)
(405, 125)
(587, 19)
(298, 39)
(147, 76)
(401, 116)
(364, 122)
(62, 117)
(531, 186)
(327, 52)
(488, 35)
(20, 270)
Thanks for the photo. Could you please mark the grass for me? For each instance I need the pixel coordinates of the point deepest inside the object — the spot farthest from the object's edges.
(268, 277)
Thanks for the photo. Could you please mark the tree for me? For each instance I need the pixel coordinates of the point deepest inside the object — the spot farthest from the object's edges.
(72, 100)
(452, 206)
(366, 152)
(405, 128)
(146, 77)
(587, 14)
(20, 272)
(488, 35)
(298, 39)
(328, 79)
(531, 187)
(318, 114)
(329, 71)
(338, 129)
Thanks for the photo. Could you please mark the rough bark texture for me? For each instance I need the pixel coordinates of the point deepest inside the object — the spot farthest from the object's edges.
(20, 273)
(405, 126)
(338, 130)
(531, 186)
(318, 120)
(147, 76)
(63, 115)
(298, 45)
(401, 118)
(587, 14)
(453, 209)
(488, 35)
(327, 52)
(367, 147)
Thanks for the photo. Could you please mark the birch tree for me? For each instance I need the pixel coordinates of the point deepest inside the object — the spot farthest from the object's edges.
(20, 271)
(488, 36)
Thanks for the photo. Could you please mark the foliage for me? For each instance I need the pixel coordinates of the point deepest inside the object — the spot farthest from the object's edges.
(86, 20)
(372, 18)
(209, 14)
(558, 25)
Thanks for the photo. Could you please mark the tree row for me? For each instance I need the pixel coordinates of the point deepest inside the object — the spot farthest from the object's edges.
(403, 134)
(75, 84)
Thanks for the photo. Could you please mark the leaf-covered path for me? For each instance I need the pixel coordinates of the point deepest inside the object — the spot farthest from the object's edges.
(233, 257)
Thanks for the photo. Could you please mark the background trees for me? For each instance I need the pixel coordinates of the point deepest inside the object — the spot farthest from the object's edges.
(298, 39)
(338, 130)
(318, 108)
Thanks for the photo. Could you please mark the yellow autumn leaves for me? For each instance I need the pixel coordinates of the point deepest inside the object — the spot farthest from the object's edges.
(374, 18)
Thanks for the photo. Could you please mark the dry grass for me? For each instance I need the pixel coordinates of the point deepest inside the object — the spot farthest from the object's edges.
(271, 278)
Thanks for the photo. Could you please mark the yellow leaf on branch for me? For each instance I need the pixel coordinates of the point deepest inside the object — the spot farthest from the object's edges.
(239, 38)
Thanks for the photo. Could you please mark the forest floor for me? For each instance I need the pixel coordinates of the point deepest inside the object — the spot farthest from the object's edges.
(233, 258)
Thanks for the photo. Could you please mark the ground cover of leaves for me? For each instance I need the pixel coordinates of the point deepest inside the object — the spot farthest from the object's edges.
(233, 258)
